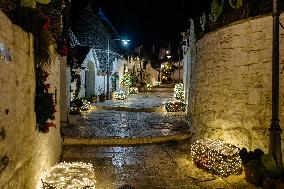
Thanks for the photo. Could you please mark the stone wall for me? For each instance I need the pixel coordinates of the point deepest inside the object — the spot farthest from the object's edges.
(230, 83)
(30, 152)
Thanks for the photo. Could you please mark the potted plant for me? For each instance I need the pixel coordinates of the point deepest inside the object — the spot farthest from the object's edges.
(261, 169)
(101, 96)
(251, 162)
(73, 116)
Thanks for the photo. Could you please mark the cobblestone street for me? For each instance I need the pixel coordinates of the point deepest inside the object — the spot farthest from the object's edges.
(165, 165)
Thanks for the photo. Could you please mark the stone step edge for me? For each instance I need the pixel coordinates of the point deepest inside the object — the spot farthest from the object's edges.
(125, 141)
(122, 108)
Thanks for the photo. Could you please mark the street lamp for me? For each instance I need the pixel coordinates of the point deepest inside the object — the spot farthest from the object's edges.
(275, 130)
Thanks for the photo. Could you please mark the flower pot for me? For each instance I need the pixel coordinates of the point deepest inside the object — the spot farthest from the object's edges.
(72, 119)
(102, 98)
(253, 177)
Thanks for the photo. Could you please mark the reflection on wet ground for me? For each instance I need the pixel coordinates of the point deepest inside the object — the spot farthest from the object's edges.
(166, 166)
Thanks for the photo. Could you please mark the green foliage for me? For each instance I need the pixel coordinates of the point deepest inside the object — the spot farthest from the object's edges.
(235, 4)
(128, 79)
(203, 21)
(43, 44)
(216, 10)
(269, 163)
(44, 104)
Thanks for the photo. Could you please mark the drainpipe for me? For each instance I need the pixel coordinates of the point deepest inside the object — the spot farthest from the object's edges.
(275, 130)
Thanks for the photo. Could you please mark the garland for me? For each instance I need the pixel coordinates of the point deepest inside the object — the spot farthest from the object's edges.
(34, 21)
(44, 103)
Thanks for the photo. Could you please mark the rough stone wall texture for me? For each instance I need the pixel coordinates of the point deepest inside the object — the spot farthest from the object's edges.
(30, 152)
(230, 96)
(153, 74)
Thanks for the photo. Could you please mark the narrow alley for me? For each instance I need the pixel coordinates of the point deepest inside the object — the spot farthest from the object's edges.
(157, 154)
(141, 94)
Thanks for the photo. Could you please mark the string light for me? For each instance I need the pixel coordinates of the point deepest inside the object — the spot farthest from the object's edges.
(86, 106)
(70, 176)
(149, 86)
(133, 90)
(175, 106)
(157, 83)
(216, 156)
(120, 95)
(179, 94)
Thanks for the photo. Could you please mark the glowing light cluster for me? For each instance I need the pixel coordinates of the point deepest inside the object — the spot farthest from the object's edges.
(175, 106)
(120, 95)
(157, 83)
(86, 106)
(69, 176)
(149, 86)
(126, 79)
(179, 94)
(133, 90)
(216, 156)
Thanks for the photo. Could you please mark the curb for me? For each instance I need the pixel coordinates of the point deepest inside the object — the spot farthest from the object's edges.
(124, 141)
(122, 108)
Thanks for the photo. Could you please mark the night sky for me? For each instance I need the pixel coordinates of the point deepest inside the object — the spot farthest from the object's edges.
(150, 22)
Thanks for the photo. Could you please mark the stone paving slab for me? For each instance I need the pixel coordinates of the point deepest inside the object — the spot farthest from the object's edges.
(123, 124)
(140, 101)
(166, 166)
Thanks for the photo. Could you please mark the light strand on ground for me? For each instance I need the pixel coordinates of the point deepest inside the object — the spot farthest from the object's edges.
(149, 86)
(178, 92)
(133, 90)
(216, 156)
(69, 176)
(175, 106)
(120, 95)
(157, 83)
(86, 106)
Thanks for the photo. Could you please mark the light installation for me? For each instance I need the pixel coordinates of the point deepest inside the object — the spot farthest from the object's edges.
(69, 176)
(216, 156)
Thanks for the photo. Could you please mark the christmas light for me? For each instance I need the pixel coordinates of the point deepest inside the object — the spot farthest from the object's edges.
(157, 83)
(216, 156)
(175, 106)
(179, 94)
(86, 106)
(120, 95)
(149, 86)
(69, 176)
(133, 90)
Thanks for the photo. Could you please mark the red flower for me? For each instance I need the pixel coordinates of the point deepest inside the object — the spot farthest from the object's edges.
(64, 50)
(45, 129)
(46, 22)
(51, 124)
(46, 87)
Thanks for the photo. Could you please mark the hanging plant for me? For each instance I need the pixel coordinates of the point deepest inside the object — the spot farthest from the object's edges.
(216, 10)
(235, 4)
(203, 21)
(44, 104)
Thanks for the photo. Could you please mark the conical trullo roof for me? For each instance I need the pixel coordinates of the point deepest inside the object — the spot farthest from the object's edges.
(93, 31)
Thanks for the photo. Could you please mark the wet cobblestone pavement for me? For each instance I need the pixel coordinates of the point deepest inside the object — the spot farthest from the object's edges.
(156, 166)
(164, 166)
(111, 123)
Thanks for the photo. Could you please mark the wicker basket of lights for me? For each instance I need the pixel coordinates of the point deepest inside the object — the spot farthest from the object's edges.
(216, 156)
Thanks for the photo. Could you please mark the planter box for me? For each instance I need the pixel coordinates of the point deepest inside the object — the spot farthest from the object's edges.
(72, 119)
(252, 177)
